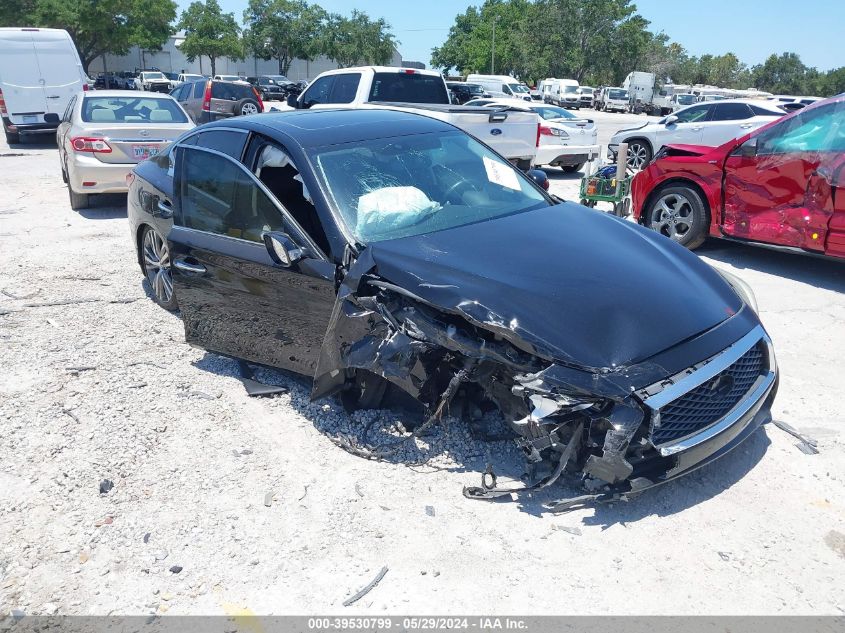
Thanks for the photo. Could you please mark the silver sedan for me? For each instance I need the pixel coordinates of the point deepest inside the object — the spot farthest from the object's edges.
(104, 134)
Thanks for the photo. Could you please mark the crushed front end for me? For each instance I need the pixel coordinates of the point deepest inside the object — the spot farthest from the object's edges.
(619, 430)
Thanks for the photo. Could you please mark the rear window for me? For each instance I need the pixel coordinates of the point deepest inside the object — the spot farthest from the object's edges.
(617, 94)
(131, 110)
(408, 88)
(231, 91)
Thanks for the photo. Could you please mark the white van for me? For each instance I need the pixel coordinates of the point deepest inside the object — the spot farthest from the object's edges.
(501, 86)
(40, 71)
(561, 92)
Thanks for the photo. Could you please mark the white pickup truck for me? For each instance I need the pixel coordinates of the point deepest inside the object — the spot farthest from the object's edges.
(512, 133)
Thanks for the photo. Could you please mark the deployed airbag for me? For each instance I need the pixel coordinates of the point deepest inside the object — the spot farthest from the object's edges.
(391, 208)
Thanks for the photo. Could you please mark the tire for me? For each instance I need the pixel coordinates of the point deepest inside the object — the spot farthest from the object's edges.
(245, 107)
(78, 200)
(571, 169)
(366, 392)
(155, 262)
(639, 153)
(679, 213)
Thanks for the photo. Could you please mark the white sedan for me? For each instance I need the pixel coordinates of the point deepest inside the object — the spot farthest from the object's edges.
(566, 140)
(711, 123)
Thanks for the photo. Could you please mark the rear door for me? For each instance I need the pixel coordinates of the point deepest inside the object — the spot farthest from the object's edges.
(779, 184)
(234, 299)
(20, 78)
(331, 90)
(61, 70)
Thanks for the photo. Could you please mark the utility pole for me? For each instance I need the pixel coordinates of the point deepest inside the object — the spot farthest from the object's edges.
(493, 48)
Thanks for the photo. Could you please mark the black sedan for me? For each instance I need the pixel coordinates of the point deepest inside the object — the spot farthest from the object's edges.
(376, 250)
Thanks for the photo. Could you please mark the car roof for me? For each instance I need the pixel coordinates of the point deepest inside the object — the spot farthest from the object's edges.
(314, 128)
(128, 94)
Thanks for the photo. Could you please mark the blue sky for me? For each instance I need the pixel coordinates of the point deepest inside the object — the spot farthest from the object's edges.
(752, 29)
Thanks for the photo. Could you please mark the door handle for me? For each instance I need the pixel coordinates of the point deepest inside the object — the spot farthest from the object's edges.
(188, 267)
(696, 129)
(745, 126)
(164, 210)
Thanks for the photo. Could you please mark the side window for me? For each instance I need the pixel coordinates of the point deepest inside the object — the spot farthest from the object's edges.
(69, 110)
(199, 89)
(758, 111)
(345, 88)
(731, 112)
(224, 141)
(817, 130)
(694, 114)
(318, 92)
(506, 90)
(219, 197)
(275, 168)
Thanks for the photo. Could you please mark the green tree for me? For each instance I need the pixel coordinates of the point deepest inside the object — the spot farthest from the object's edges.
(283, 30)
(97, 26)
(784, 74)
(210, 32)
(356, 40)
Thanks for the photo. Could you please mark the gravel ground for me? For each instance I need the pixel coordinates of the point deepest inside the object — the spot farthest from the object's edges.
(227, 504)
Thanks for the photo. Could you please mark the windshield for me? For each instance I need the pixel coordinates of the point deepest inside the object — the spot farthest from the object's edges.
(617, 94)
(686, 99)
(552, 112)
(132, 110)
(519, 88)
(229, 77)
(570, 89)
(397, 187)
(278, 79)
(153, 76)
(474, 89)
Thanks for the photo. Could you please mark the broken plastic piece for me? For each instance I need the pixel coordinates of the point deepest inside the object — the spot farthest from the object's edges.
(806, 445)
(252, 386)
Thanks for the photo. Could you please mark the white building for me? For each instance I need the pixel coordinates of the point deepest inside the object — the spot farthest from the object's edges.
(171, 59)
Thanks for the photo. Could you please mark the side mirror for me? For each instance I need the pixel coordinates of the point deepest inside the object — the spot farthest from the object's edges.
(671, 119)
(748, 149)
(540, 177)
(282, 249)
(293, 101)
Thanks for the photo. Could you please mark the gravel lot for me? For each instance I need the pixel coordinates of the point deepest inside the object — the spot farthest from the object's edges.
(263, 513)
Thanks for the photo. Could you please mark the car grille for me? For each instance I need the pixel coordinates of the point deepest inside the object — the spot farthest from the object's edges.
(709, 402)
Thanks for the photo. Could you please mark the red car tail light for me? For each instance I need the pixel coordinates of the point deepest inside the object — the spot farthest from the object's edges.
(539, 128)
(3, 105)
(87, 144)
(206, 98)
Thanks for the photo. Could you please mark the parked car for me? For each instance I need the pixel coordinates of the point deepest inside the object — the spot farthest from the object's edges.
(214, 99)
(271, 87)
(564, 141)
(230, 78)
(783, 184)
(40, 72)
(104, 134)
(129, 78)
(364, 249)
(152, 81)
(586, 95)
(612, 99)
(561, 92)
(108, 81)
(501, 86)
(513, 134)
(711, 123)
(182, 78)
(465, 92)
(682, 100)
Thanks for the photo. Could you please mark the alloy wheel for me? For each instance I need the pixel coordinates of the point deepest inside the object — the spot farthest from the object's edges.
(157, 266)
(249, 108)
(637, 155)
(673, 215)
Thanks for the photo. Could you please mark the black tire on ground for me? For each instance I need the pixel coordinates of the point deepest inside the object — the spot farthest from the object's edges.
(366, 392)
(679, 213)
(151, 241)
(247, 106)
(64, 175)
(571, 169)
(78, 200)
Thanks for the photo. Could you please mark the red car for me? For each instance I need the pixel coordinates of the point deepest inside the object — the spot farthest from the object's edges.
(783, 184)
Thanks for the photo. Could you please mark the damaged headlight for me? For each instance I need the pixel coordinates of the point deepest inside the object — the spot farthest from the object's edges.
(742, 289)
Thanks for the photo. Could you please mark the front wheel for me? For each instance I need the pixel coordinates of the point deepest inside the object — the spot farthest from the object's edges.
(155, 262)
(679, 213)
(639, 154)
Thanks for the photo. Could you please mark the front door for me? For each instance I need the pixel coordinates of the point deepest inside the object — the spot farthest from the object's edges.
(688, 129)
(774, 182)
(234, 299)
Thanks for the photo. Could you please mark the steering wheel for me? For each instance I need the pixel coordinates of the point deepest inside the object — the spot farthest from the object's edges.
(463, 182)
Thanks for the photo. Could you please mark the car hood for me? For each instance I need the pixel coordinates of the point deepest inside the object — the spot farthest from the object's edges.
(630, 129)
(565, 283)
